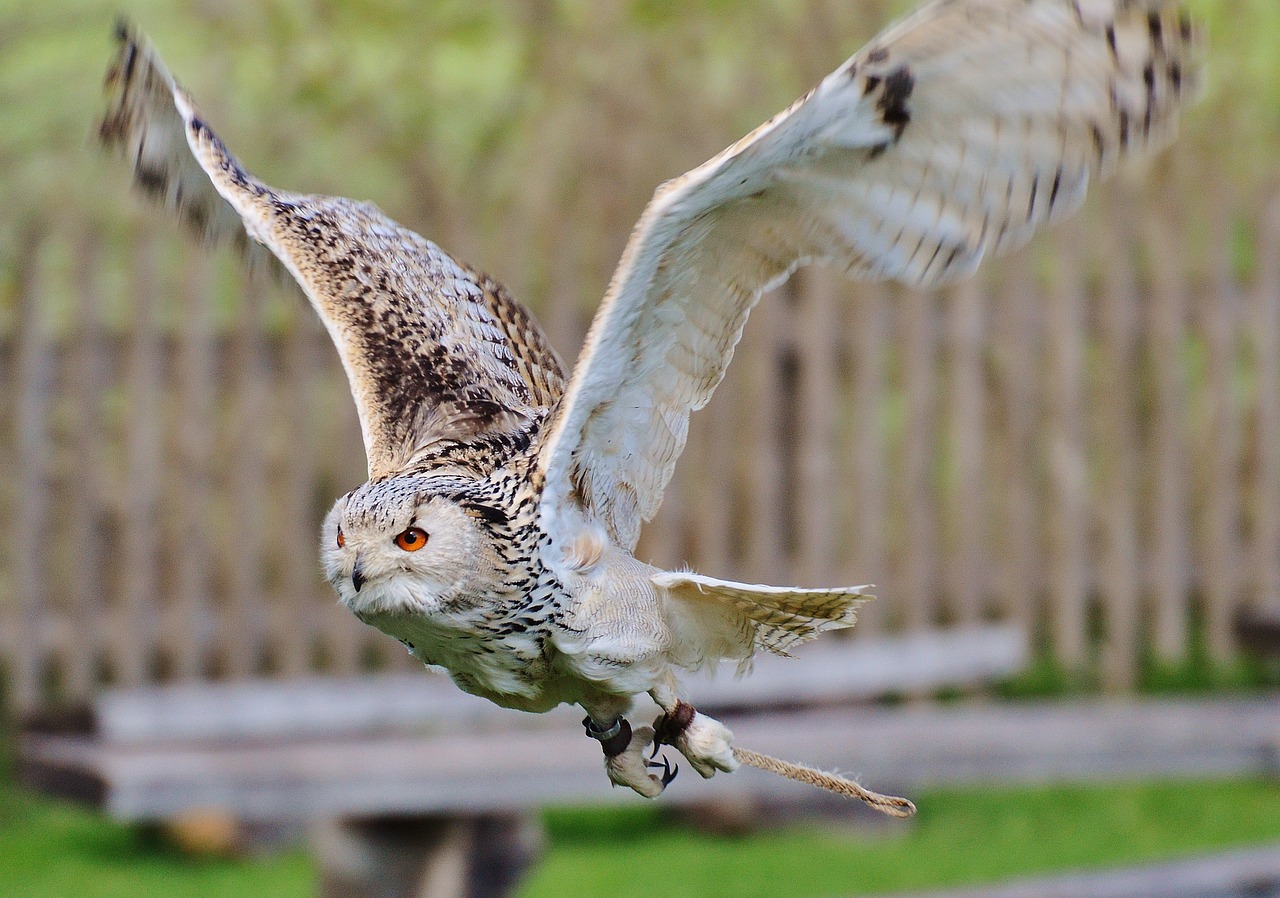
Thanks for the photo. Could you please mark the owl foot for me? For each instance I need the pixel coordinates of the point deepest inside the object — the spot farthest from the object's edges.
(707, 743)
(625, 759)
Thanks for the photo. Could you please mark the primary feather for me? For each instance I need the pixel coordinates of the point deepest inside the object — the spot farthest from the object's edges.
(953, 134)
(436, 353)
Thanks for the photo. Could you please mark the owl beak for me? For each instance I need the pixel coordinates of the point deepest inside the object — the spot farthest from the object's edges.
(357, 575)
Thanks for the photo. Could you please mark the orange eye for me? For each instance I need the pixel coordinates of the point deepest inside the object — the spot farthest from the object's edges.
(412, 539)
(342, 540)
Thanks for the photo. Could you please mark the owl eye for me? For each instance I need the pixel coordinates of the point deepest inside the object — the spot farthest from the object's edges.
(342, 540)
(412, 539)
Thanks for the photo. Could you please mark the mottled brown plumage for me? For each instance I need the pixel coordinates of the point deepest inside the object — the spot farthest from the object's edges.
(494, 536)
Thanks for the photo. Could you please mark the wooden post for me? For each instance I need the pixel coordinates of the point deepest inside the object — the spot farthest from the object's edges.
(294, 612)
(866, 315)
(1219, 451)
(1018, 338)
(964, 515)
(1068, 471)
(1115, 414)
(757, 425)
(191, 504)
(917, 580)
(136, 623)
(1264, 329)
(480, 856)
(33, 384)
(86, 384)
(819, 490)
(243, 619)
(1168, 505)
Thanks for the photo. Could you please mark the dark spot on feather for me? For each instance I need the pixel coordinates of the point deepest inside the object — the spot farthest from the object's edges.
(1053, 192)
(490, 513)
(1184, 26)
(151, 180)
(892, 104)
(879, 54)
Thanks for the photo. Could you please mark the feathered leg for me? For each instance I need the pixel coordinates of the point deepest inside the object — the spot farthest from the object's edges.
(626, 750)
(706, 742)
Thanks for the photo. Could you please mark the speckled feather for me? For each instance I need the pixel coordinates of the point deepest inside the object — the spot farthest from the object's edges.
(435, 352)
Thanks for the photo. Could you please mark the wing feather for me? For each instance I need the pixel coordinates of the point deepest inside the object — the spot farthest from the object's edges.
(954, 134)
(434, 351)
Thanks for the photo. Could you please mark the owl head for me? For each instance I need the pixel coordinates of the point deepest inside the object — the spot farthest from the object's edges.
(406, 544)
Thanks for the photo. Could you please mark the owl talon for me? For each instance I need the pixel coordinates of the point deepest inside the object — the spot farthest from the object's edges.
(669, 770)
(629, 766)
(707, 743)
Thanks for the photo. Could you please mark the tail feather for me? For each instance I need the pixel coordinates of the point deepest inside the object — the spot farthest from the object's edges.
(744, 616)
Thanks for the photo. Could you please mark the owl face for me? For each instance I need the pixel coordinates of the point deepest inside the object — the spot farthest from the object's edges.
(399, 546)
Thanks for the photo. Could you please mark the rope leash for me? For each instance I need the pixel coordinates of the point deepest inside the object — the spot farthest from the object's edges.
(885, 804)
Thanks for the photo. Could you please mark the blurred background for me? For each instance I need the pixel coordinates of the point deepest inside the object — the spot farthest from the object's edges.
(1083, 441)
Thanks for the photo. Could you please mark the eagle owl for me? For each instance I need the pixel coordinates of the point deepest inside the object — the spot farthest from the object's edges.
(494, 536)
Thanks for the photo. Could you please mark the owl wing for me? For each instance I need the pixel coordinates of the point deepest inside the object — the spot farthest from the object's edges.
(434, 351)
(955, 133)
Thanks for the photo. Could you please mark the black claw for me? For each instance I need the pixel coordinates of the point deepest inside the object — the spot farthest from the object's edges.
(669, 770)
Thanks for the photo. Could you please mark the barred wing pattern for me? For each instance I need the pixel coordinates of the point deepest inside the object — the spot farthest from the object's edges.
(954, 134)
(434, 352)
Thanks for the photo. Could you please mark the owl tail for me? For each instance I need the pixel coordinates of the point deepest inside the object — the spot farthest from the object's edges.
(731, 620)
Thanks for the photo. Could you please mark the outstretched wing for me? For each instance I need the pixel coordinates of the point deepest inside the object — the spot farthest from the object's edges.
(953, 134)
(434, 351)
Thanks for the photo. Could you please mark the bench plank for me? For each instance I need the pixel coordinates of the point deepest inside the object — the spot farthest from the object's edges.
(522, 768)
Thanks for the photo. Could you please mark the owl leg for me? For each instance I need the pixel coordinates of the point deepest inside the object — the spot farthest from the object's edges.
(626, 753)
(706, 742)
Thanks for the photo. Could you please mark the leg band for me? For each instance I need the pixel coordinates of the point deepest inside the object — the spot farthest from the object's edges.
(671, 724)
(613, 739)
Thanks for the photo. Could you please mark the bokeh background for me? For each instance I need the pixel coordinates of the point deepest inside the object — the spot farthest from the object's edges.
(1084, 440)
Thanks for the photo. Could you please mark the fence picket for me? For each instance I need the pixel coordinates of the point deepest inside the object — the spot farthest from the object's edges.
(1264, 487)
(1067, 465)
(29, 524)
(1217, 314)
(137, 586)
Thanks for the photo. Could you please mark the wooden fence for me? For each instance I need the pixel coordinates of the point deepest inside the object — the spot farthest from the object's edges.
(1085, 439)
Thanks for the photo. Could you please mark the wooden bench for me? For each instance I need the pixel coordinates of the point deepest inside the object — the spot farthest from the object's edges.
(426, 790)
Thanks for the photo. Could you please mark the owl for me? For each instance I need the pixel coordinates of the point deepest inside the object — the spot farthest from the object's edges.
(494, 536)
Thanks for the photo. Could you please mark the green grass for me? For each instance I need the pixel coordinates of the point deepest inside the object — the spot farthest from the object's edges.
(962, 836)
(54, 850)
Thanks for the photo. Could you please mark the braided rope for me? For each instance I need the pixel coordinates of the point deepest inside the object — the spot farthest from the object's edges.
(885, 804)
